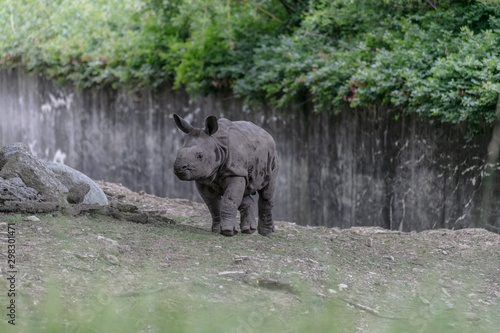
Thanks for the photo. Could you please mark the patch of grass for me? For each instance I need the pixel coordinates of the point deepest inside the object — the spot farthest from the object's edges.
(169, 310)
(98, 274)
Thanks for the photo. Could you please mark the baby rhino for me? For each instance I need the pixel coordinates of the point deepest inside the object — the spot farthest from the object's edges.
(230, 161)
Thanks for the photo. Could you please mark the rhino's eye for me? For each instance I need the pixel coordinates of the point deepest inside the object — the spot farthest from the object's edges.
(199, 156)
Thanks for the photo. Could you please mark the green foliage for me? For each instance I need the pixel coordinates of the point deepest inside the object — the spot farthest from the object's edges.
(438, 58)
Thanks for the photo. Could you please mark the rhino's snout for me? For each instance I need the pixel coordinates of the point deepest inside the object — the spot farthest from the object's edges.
(182, 170)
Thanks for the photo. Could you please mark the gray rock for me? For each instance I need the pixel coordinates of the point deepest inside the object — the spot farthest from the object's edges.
(82, 189)
(76, 194)
(32, 218)
(16, 190)
(27, 182)
(111, 259)
(16, 161)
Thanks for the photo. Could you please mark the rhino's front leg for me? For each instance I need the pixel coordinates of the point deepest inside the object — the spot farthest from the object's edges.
(234, 188)
(212, 200)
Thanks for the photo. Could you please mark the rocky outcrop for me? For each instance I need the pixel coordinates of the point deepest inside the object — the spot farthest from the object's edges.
(30, 184)
(16, 161)
(27, 184)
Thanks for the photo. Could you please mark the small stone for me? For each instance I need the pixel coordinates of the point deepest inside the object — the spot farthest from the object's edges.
(484, 302)
(31, 218)
(342, 286)
(231, 272)
(331, 291)
(113, 260)
(81, 256)
(424, 300)
(239, 259)
(107, 239)
(471, 316)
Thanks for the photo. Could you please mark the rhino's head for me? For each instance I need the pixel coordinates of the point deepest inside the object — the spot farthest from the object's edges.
(200, 157)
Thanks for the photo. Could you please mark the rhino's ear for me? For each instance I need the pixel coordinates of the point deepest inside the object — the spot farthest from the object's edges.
(182, 124)
(211, 125)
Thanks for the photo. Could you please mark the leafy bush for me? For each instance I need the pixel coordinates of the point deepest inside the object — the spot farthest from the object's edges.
(438, 58)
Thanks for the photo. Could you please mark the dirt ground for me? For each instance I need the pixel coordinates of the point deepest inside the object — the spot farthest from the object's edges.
(382, 280)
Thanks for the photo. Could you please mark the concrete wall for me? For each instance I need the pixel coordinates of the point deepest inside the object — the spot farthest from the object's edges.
(361, 167)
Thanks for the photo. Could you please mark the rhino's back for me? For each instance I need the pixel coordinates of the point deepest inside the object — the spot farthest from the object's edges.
(256, 135)
(251, 133)
(252, 145)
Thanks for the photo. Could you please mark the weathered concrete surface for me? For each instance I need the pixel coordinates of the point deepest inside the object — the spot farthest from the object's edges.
(361, 167)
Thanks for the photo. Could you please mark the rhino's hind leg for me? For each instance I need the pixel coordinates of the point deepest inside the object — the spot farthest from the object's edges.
(266, 223)
(248, 223)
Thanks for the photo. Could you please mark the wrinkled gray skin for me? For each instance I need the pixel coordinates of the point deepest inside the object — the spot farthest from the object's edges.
(230, 161)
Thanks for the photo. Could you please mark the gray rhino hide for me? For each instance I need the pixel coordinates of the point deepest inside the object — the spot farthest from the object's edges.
(247, 164)
(251, 152)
